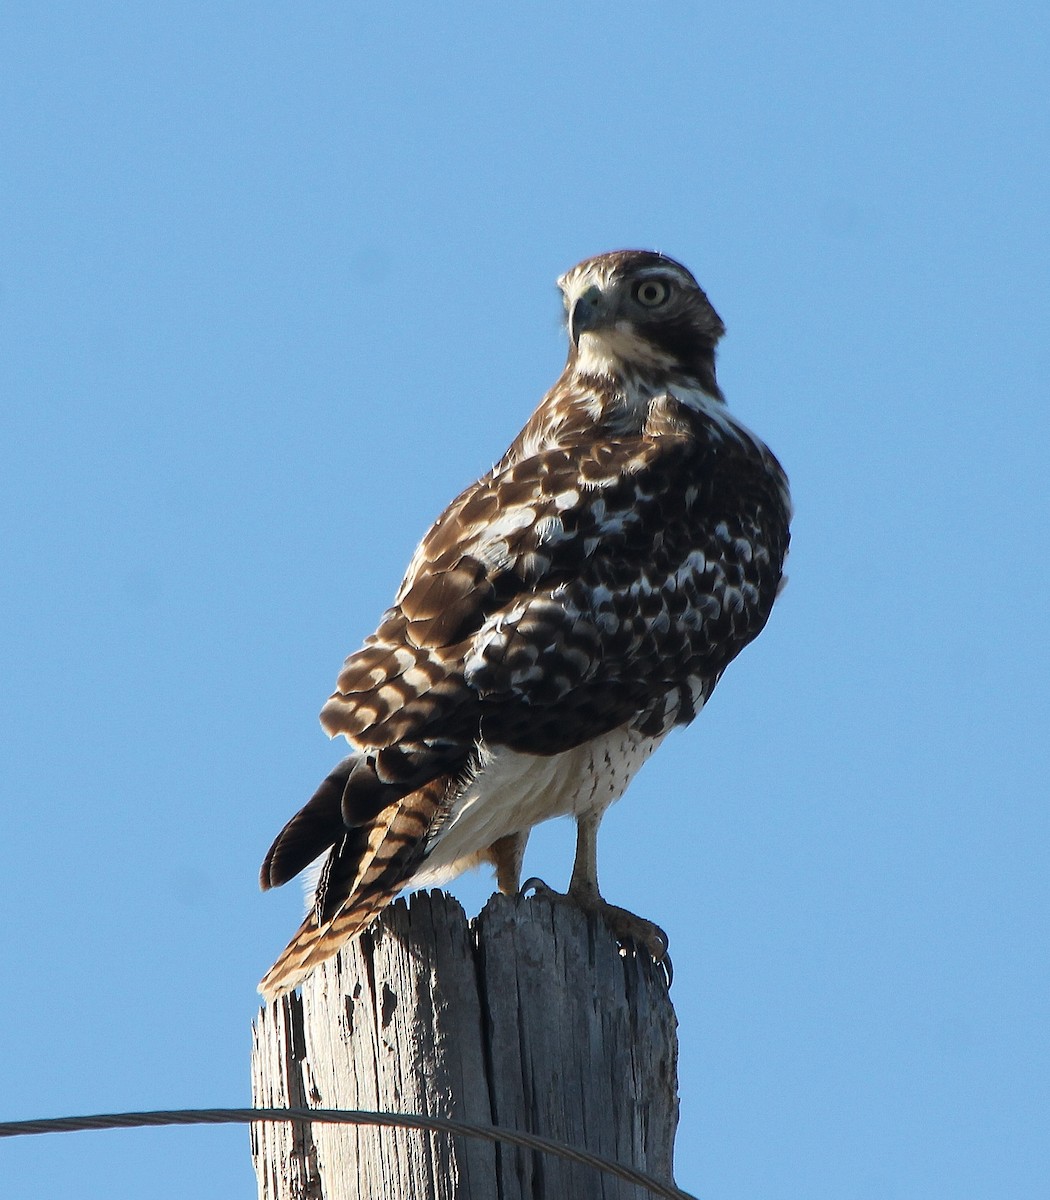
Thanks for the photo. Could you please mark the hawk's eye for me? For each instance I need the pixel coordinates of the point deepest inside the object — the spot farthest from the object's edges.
(651, 293)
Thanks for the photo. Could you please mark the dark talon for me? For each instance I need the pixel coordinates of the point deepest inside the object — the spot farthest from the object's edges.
(534, 884)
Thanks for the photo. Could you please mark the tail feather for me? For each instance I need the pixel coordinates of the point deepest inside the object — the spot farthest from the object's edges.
(315, 828)
(354, 793)
(374, 874)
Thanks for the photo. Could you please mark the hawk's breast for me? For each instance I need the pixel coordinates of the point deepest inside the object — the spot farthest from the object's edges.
(510, 791)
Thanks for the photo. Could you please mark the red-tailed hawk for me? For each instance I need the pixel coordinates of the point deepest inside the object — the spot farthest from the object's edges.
(561, 616)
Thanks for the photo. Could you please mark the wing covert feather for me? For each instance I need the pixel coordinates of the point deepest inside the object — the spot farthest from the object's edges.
(567, 592)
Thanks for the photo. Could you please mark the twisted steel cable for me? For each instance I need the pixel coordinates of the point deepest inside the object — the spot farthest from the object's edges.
(338, 1116)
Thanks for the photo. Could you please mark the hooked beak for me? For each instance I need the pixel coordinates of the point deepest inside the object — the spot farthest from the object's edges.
(588, 312)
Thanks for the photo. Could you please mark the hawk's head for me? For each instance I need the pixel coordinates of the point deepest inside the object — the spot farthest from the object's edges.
(640, 312)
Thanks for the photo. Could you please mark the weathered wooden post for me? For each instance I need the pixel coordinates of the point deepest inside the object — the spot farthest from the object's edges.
(529, 1017)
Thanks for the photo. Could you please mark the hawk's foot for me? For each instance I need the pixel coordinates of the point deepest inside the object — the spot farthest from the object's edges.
(629, 929)
(535, 884)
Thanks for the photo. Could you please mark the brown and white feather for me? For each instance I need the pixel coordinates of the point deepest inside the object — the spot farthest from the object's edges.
(565, 612)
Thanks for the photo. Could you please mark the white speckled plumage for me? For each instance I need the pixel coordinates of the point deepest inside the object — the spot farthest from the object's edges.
(509, 792)
(565, 612)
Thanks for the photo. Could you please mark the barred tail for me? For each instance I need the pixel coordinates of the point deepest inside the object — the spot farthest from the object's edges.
(312, 944)
(361, 877)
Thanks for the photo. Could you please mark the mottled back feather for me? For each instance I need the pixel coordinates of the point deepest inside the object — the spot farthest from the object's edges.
(601, 576)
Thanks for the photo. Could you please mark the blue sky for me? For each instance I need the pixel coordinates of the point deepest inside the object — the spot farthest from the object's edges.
(276, 282)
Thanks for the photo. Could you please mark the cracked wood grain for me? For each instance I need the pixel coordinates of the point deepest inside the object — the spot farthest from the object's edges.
(529, 1017)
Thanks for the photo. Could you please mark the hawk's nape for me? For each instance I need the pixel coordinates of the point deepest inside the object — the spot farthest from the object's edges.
(561, 616)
